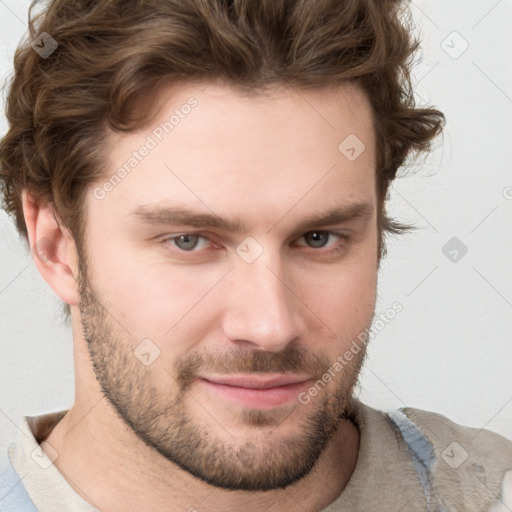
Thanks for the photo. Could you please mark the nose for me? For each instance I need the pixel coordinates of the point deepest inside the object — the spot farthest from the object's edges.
(263, 311)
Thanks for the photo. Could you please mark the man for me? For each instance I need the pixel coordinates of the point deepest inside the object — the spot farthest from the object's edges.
(203, 184)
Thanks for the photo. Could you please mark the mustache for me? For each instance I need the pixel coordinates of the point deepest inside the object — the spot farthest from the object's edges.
(292, 359)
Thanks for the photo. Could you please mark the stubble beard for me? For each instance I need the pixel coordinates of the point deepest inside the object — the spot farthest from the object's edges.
(163, 421)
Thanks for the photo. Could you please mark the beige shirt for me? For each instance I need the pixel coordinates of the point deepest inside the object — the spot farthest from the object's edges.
(384, 477)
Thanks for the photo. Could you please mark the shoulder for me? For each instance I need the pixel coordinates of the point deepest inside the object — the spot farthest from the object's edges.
(469, 469)
(13, 495)
(477, 442)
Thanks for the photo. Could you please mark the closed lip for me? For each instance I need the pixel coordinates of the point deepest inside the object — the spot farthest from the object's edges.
(257, 381)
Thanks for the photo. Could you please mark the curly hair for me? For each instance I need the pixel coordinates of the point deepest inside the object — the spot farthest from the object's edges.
(112, 54)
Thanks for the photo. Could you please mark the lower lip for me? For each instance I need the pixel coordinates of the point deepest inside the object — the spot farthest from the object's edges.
(258, 398)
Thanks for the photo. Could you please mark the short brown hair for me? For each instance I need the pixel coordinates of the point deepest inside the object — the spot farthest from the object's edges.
(112, 53)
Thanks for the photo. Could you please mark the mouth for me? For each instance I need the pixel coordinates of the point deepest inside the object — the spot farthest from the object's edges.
(257, 391)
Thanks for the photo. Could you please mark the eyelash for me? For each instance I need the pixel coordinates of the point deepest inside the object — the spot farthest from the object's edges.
(333, 248)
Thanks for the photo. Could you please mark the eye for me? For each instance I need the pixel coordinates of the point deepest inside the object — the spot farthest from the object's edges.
(319, 239)
(187, 242)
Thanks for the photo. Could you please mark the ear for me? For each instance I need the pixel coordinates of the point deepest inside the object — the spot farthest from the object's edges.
(52, 248)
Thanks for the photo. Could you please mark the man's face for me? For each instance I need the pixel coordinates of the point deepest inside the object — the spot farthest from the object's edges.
(203, 337)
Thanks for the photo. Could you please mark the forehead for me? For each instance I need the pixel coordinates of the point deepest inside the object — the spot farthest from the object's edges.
(215, 148)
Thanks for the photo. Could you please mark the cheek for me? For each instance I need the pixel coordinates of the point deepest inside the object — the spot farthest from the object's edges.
(348, 300)
(157, 300)
(345, 299)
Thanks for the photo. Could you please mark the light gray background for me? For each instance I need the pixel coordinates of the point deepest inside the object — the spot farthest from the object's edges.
(450, 349)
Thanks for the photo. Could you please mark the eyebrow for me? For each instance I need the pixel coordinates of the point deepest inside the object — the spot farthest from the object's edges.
(159, 215)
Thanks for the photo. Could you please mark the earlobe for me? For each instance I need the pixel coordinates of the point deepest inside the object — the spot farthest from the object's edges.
(52, 247)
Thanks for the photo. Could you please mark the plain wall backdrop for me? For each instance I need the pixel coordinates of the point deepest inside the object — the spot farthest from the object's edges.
(449, 350)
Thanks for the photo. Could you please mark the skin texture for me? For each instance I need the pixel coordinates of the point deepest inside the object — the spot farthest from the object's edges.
(172, 441)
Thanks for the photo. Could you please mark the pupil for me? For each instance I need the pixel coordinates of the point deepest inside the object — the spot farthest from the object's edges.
(318, 238)
(189, 241)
